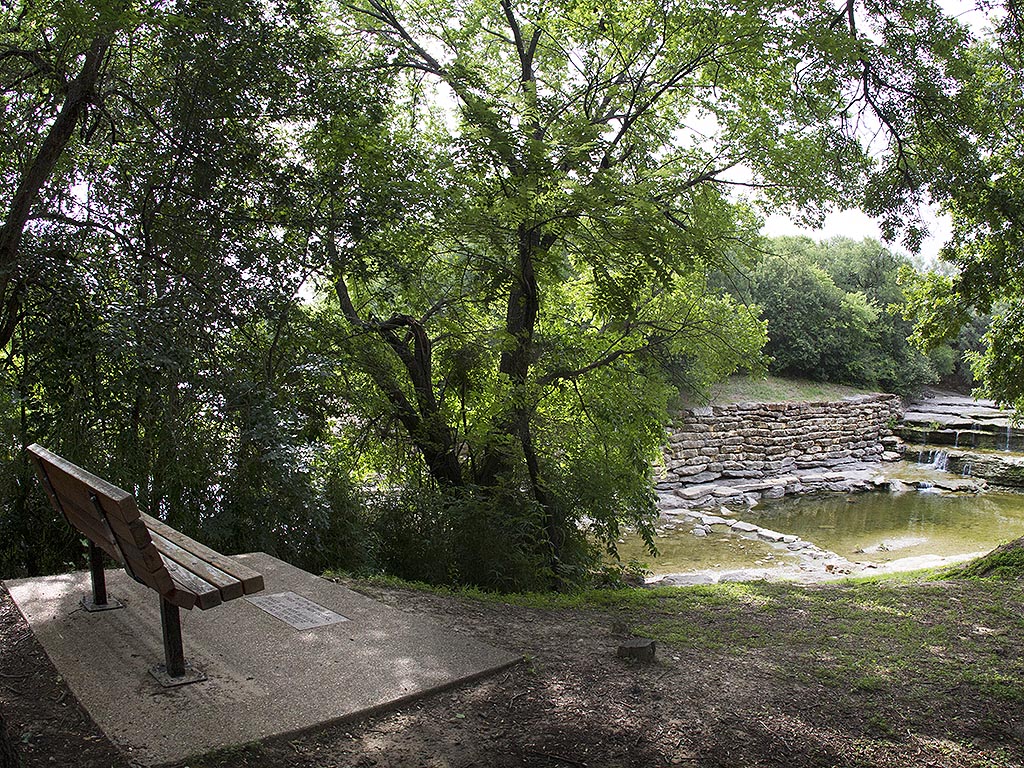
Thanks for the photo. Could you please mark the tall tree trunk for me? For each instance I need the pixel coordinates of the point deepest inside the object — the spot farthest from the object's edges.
(520, 324)
(80, 92)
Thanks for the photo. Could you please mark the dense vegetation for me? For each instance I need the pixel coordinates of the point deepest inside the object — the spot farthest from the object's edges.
(409, 286)
(836, 312)
(978, 181)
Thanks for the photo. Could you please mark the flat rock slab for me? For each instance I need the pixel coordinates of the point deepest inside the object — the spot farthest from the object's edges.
(266, 677)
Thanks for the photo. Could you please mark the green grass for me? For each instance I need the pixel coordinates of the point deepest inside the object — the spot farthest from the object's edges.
(1005, 563)
(739, 389)
(921, 634)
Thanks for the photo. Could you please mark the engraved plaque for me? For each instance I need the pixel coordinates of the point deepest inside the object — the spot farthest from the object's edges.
(296, 610)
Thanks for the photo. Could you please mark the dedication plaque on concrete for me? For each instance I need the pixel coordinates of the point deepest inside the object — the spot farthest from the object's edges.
(296, 610)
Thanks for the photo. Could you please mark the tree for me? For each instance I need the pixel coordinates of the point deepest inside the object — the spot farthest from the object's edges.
(157, 315)
(975, 174)
(561, 183)
(834, 313)
(49, 87)
(514, 212)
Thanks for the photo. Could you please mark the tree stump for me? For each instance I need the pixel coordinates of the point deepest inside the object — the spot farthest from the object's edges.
(637, 648)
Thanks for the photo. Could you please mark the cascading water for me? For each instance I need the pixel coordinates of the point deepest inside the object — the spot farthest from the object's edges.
(940, 461)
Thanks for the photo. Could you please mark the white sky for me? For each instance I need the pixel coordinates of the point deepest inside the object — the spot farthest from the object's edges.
(857, 225)
(854, 223)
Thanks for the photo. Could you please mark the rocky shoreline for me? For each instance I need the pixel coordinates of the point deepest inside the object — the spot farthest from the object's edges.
(724, 460)
(813, 563)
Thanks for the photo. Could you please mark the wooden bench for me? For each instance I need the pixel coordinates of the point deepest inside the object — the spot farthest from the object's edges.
(183, 572)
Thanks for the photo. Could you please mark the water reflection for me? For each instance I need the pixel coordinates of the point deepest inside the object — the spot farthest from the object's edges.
(879, 527)
(866, 528)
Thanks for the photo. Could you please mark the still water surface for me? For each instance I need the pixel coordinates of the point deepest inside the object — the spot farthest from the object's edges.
(867, 527)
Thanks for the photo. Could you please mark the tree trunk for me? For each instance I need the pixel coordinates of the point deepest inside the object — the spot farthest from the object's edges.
(422, 417)
(80, 92)
(520, 324)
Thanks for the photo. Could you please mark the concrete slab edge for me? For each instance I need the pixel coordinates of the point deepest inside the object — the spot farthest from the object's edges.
(353, 717)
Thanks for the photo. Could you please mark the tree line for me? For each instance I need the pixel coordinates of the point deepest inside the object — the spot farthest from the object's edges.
(843, 311)
(401, 286)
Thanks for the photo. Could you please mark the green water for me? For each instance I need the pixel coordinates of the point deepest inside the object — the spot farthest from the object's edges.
(680, 551)
(879, 527)
(867, 527)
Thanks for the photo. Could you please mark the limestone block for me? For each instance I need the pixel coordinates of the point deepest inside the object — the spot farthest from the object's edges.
(725, 491)
(742, 473)
(693, 492)
(689, 469)
(713, 520)
(690, 444)
(743, 526)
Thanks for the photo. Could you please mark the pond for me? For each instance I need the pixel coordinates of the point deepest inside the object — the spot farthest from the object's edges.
(878, 528)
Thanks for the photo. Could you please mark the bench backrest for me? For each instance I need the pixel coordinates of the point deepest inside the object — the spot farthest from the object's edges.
(103, 513)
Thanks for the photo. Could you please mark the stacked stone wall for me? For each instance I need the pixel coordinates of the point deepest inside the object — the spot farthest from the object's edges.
(763, 440)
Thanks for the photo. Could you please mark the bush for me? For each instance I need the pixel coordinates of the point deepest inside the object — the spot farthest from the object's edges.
(488, 540)
(834, 313)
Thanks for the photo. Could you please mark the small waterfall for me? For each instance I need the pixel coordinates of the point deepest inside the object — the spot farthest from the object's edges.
(936, 459)
(956, 439)
(924, 445)
(940, 461)
(966, 470)
(1007, 447)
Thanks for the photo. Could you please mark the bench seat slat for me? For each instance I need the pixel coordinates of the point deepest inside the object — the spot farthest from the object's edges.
(144, 561)
(251, 580)
(229, 587)
(206, 595)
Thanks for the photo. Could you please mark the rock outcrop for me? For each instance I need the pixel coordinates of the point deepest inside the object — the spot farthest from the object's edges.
(945, 418)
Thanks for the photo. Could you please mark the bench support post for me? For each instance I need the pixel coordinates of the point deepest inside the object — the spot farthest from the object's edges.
(174, 671)
(99, 601)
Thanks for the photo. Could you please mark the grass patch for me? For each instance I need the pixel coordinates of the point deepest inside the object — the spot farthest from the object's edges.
(924, 636)
(664, 598)
(771, 389)
(1004, 563)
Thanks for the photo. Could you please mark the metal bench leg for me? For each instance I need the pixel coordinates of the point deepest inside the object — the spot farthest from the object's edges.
(174, 671)
(99, 601)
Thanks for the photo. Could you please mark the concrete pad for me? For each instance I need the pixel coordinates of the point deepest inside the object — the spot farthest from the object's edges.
(266, 678)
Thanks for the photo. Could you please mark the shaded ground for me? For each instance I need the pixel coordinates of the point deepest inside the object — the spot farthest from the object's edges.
(894, 673)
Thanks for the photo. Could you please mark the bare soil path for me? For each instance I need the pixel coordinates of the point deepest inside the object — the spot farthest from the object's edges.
(905, 672)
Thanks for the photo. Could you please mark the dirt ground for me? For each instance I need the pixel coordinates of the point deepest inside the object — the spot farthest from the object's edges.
(895, 674)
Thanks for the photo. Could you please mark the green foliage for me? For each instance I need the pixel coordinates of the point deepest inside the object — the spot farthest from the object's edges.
(834, 313)
(487, 539)
(1005, 563)
(159, 343)
(974, 172)
(399, 286)
(521, 267)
